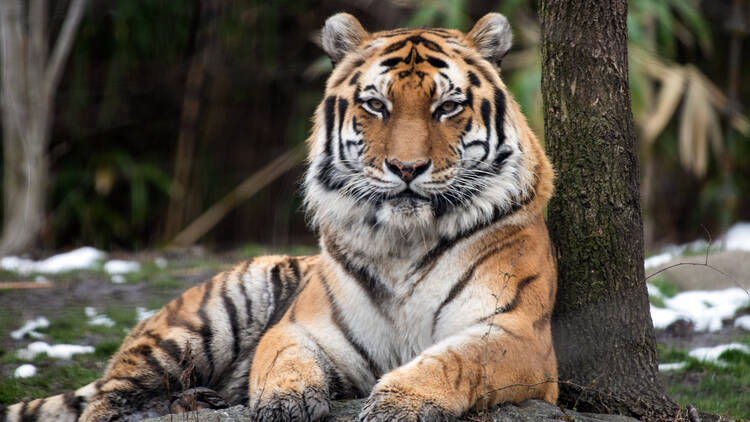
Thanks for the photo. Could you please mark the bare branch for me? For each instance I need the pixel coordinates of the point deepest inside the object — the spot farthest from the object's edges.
(704, 264)
(63, 45)
(242, 192)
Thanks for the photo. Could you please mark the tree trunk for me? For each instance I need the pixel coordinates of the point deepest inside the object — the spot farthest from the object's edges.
(602, 327)
(27, 93)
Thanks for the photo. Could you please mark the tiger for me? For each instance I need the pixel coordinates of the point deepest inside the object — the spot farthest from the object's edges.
(433, 291)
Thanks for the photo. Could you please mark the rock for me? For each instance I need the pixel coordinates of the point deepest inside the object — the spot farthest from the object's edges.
(347, 410)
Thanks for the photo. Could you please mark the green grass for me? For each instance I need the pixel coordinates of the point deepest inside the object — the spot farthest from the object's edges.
(666, 288)
(52, 376)
(72, 326)
(253, 249)
(710, 387)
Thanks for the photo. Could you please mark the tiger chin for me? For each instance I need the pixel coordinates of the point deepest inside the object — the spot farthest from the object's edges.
(436, 280)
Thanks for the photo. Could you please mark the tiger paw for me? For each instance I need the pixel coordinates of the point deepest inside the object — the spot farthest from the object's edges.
(195, 399)
(311, 405)
(395, 405)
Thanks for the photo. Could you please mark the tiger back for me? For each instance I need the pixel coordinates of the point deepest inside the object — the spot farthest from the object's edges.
(433, 291)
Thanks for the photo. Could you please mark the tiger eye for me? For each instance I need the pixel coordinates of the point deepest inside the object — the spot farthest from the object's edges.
(376, 104)
(448, 106)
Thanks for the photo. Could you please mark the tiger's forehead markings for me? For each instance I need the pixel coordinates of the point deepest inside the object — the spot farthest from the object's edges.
(417, 39)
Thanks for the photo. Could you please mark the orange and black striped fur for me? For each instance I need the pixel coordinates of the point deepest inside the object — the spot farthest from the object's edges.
(433, 291)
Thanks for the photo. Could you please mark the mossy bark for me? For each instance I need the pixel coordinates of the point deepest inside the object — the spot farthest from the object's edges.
(602, 327)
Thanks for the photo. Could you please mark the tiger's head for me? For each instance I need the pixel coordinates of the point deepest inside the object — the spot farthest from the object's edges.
(418, 132)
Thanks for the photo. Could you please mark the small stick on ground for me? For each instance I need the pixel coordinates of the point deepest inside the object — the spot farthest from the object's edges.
(25, 285)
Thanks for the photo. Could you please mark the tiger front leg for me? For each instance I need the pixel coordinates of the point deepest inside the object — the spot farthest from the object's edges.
(483, 366)
(289, 379)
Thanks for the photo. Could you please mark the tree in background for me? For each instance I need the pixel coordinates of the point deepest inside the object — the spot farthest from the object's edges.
(603, 332)
(29, 81)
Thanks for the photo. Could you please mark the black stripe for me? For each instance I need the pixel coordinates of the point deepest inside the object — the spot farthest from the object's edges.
(294, 266)
(31, 416)
(435, 62)
(233, 321)
(74, 403)
(3, 412)
(467, 276)
(174, 320)
(391, 62)
(169, 347)
(338, 388)
(22, 412)
(484, 110)
(480, 67)
(355, 78)
(513, 303)
(377, 292)
(157, 369)
(205, 331)
(248, 302)
(343, 105)
(345, 331)
(474, 79)
(469, 98)
(276, 285)
(394, 47)
(330, 102)
(499, 116)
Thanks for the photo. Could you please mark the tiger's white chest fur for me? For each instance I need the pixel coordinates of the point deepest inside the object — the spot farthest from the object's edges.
(402, 316)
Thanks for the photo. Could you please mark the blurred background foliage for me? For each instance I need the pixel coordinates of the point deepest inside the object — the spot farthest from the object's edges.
(165, 106)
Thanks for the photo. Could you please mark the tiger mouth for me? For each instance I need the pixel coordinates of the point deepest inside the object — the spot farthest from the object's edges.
(408, 195)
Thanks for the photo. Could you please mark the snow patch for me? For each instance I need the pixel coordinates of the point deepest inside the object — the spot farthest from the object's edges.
(96, 318)
(704, 308)
(78, 259)
(657, 260)
(58, 351)
(663, 318)
(25, 371)
(743, 322)
(676, 366)
(161, 262)
(143, 313)
(118, 279)
(119, 266)
(30, 327)
(738, 237)
(711, 354)
(653, 290)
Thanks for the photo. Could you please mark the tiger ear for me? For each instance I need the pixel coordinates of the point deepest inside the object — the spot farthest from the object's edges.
(341, 34)
(492, 37)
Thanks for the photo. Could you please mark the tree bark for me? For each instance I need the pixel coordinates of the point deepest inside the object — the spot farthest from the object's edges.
(27, 94)
(602, 327)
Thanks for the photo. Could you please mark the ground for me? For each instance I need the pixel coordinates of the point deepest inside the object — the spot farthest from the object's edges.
(95, 307)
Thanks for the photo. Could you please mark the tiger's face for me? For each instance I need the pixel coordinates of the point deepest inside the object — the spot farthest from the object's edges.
(417, 129)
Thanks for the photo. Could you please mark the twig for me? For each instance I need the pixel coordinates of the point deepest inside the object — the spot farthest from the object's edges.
(25, 285)
(704, 264)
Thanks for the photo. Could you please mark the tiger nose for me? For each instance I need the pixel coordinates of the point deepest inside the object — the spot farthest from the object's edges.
(407, 171)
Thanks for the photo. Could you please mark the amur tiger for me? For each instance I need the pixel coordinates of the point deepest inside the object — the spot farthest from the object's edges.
(434, 287)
